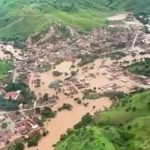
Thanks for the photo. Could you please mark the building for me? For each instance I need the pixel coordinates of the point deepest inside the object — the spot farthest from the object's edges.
(13, 95)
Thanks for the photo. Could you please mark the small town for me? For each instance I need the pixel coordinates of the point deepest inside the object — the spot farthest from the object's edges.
(65, 73)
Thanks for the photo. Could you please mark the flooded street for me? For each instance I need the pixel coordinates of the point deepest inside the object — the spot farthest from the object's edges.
(47, 77)
(103, 74)
(67, 119)
(101, 68)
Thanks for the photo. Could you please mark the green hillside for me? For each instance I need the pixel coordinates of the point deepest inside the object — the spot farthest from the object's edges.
(132, 5)
(21, 18)
(123, 127)
(141, 68)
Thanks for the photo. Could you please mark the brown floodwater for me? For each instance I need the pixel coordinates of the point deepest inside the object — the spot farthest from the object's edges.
(67, 119)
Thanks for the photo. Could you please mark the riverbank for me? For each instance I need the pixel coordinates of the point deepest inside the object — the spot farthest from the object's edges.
(67, 119)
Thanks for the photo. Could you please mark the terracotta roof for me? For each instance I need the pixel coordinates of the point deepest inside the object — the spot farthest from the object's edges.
(12, 95)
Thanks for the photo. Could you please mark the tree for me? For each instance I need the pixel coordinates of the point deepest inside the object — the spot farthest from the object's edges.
(65, 106)
(148, 104)
(37, 110)
(73, 73)
(85, 120)
(45, 97)
(16, 146)
(33, 141)
(40, 122)
(4, 125)
(56, 73)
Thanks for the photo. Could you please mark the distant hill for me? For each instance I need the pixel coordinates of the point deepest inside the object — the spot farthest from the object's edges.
(21, 18)
(132, 5)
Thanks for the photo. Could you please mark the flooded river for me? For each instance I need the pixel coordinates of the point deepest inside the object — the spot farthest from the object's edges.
(67, 119)
(101, 69)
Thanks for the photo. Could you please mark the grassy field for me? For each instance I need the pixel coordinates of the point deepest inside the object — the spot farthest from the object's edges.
(88, 138)
(141, 68)
(4, 68)
(124, 127)
(20, 19)
(132, 5)
(130, 108)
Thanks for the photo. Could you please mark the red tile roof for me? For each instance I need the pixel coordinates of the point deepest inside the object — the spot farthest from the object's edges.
(12, 95)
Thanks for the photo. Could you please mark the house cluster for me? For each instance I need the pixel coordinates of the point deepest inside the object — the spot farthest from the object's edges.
(50, 52)
(80, 83)
(20, 126)
(69, 89)
(9, 52)
(5, 135)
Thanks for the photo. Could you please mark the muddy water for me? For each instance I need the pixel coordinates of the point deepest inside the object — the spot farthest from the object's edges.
(47, 78)
(102, 80)
(64, 119)
(67, 119)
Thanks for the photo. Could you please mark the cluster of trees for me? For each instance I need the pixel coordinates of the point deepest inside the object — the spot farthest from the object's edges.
(116, 55)
(47, 112)
(91, 94)
(115, 95)
(56, 73)
(65, 106)
(143, 17)
(16, 146)
(141, 68)
(4, 125)
(16, 86)
(78, 100)
(8, 105)
(27, 95)
(88, 58)
(85, 120)
(33, 141)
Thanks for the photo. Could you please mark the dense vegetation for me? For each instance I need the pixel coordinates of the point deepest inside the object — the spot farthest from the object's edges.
(87, 58)
(16, 146)
(141, 68)
(4, 68)
(27, 96)
(91, 94)
(47, 113)
(124, 126)
(21, 18)
(8, 105)
(33, 141)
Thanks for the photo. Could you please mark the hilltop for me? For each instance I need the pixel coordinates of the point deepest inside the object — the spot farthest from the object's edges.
(20, 19)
